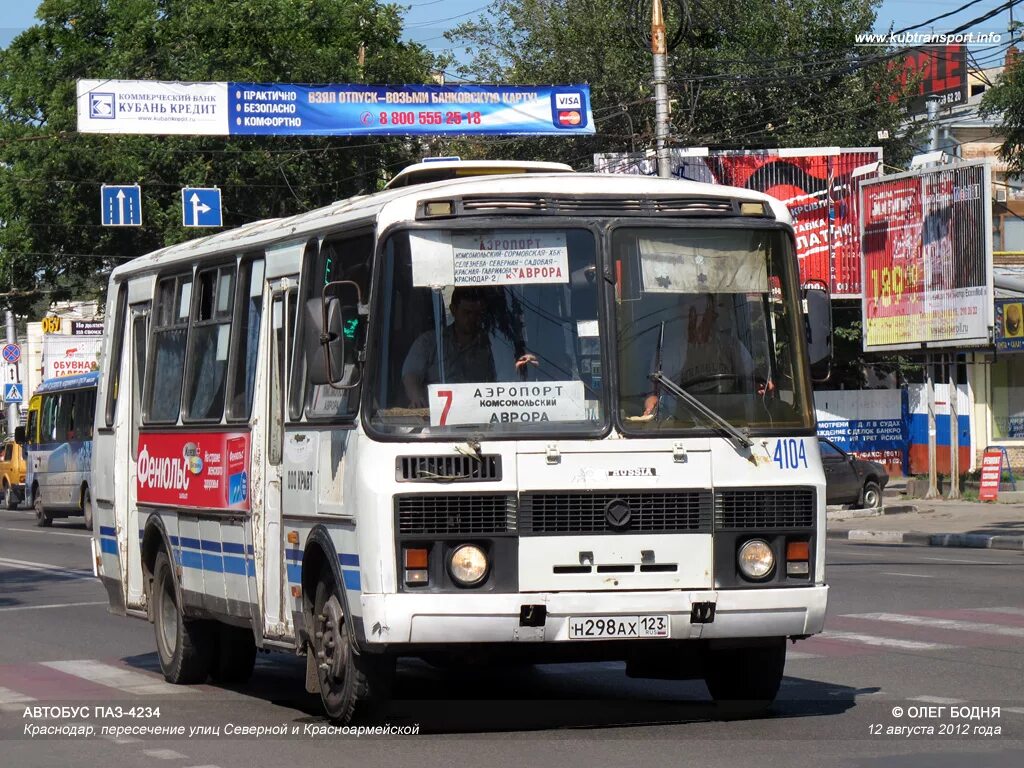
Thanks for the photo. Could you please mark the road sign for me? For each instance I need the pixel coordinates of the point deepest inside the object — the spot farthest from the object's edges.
(12, 353)
(14, 393)
(121, 206)
(200, 207)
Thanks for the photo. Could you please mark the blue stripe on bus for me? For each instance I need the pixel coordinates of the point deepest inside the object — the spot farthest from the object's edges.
(239, 566)
(294, 573)
(293, 554)
(190, 559)
(109, 546)
(351, 579)
(237, 549)
(347, 559)
(106, 530)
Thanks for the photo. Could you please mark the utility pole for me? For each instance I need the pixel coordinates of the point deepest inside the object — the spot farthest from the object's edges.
(954, 433)
(660, 51)
(933, 486)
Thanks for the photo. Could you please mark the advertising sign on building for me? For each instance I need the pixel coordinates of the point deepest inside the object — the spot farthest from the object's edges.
(70, 355)
(927, 244)
(1009, 325)
(279, 109)
(870, 423)
(819, 186)
(933, 71)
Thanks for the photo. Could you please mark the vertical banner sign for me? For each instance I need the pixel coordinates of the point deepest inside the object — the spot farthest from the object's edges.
(281, 109)
(927, 242)
(819, 186)
(991, 474)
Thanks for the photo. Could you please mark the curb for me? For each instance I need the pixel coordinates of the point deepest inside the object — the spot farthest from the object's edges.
(915, 539)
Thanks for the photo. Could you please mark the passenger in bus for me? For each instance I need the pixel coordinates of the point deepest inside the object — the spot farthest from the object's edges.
(468, 351)
(709, 359)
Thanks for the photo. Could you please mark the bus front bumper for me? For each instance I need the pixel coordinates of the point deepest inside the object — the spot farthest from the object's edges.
(495, 618)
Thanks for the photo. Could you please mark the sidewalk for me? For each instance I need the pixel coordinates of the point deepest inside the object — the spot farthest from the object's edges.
(932, 523)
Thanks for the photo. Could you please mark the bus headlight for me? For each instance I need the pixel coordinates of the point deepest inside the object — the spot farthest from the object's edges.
(756, 559)
(468, 565)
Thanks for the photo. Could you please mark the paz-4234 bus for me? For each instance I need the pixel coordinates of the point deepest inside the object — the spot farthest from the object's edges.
(538, 416)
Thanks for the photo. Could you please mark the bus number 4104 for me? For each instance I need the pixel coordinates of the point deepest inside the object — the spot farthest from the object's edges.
(790, 454)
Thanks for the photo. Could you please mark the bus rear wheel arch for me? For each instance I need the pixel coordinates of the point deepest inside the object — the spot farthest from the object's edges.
(86, 505)
(185, 647)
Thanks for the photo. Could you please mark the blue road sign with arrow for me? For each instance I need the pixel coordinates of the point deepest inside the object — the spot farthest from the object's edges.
(14, 392)
(200, 207)
(121, 205)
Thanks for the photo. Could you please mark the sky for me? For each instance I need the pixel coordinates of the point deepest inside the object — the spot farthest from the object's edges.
(427, 20)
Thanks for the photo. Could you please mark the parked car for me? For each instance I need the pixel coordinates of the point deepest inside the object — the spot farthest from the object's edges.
(12, 474)
(851, 481)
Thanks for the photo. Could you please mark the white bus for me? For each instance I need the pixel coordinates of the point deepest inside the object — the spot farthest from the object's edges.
(542, 417)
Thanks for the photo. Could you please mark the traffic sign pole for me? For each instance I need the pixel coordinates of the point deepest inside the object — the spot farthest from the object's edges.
(13, 411)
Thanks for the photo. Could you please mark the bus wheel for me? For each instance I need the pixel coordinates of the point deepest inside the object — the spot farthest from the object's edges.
(236, 655)
(185, 647)
(9, 500)
(744, 680)
(43, 519)
(350, 682)
(87, 508)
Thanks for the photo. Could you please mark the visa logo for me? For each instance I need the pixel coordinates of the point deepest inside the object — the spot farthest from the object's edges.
(568, 101)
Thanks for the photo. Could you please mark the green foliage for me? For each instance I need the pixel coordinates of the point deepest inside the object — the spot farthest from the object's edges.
(747, 73)
(51, 244)
(1005, 101)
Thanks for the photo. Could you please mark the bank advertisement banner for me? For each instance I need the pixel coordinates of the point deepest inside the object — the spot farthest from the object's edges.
(819, 186)
(277, 109)
(870, 423)
(201, 470)
(927, 243)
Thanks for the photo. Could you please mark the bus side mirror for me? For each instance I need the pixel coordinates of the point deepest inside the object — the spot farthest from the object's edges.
(19, 435)
(330, 339)
(818, 317)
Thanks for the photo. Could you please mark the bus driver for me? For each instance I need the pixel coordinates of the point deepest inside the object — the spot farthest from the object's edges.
(466, 347)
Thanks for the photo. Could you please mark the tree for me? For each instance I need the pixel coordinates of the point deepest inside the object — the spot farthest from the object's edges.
(51, 244)
(745, 73)
(1005, 102)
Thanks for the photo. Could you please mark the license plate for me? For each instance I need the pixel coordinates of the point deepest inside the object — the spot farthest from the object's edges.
(616, 627)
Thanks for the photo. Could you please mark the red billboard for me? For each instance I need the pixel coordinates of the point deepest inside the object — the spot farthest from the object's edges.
(820, 189)
(928, 72)
(199, 470)
(926, 238)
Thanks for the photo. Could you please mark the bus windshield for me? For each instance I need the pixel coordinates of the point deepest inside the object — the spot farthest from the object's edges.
(491, 331)
(711, 312)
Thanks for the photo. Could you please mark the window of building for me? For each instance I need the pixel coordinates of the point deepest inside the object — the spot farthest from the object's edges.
(1008, 397)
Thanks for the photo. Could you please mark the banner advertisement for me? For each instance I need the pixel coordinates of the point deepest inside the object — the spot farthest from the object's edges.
(939, 71)
(1009, 325)
(870, 423)
(927, 243)
(65, 355)
(276, 109)
(819, 186)
(201, 470)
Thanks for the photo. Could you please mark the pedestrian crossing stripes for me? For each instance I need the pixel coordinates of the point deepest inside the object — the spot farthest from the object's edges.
(124, 680)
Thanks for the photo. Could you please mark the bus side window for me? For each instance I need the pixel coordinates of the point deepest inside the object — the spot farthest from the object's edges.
(48, 431)
(170, 332)
(140, 335)
(245, 344)
(116, 345)
(282, 316)
(207, 365)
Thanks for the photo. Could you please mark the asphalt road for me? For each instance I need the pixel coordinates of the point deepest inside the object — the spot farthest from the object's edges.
(909, 628)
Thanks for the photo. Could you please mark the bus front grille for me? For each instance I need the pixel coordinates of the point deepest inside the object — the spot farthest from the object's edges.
(748, 508)
(614, 512)
(455, 468)
(442, 513)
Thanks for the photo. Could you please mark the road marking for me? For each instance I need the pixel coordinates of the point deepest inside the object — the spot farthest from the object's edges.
(968, 562)
(936, 700)
(910, 575)
(115, 677)
(163, 754)
(52, 605)
(122, 739)
(1015, 710)
(927, 621)
(12, 701)
(49, 532)
(884, 642)
(800, 656)
(59, 570)
(1005, 609)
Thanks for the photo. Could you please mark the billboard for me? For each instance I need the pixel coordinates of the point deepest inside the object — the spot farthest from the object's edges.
(926, 237)
(65, 355)
(819, 186)
(280, 109)
(1009, 325)
(934, 71)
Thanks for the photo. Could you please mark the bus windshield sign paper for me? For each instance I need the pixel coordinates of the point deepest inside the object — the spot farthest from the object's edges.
(506, 403)
(205, 470)
(513, 257)
(282, 109)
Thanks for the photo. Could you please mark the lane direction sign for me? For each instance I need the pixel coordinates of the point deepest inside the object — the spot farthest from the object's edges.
(121, 205)
(200, 207)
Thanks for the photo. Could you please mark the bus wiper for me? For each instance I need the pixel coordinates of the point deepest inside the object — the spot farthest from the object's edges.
(720, 423)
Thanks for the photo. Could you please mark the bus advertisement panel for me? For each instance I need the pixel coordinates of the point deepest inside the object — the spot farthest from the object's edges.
(927, 242)
(207, 470)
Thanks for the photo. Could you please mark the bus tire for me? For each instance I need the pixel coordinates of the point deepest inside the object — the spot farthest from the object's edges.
(236, 655)
(43, 518)
(87, 508)
(744, 680)
(185, 648)
(351, 683)
(10, 502)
